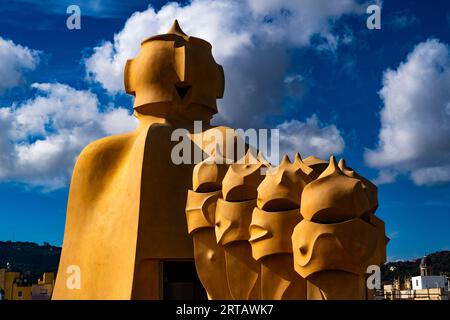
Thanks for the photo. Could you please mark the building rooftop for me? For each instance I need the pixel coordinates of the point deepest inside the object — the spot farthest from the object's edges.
(425, 262)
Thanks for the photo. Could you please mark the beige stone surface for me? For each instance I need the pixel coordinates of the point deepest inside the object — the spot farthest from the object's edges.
(306, 230)
(125, 212)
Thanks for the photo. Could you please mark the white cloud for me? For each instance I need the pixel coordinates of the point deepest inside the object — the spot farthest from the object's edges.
(415, 123)
(431, 175)
(250, 39)
(393, 234)
(310, 138)
(41, 138)
(117, 120)
(385, 176)
(298, 20)
(403, 19)
(14, 61)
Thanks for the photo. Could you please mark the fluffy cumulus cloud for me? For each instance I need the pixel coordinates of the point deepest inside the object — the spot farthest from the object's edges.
(15, 60)
(251, 39)
(415, 119)
(310, 138)
(41, 137)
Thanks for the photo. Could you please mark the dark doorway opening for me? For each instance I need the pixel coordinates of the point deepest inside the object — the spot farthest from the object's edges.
(180, 281)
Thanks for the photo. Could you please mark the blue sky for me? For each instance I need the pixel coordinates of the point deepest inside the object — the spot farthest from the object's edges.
(316, 71)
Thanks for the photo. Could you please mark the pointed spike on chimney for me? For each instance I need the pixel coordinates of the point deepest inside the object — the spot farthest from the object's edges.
(333, 164)
(261, 158)
(342, 165)
(218, 151)
(297, 158)
(176, 29)
(333, 160)
(285, 160)
(331, 168)
(249, 157)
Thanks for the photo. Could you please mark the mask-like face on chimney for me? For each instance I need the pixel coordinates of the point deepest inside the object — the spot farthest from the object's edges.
(175, 75)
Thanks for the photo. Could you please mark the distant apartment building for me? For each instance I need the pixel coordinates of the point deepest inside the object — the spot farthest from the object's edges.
(429, 282)
(44, 288)
(15, 286)
(424, 287)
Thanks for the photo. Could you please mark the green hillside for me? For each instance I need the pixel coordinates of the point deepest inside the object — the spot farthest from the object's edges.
(440, 262)
(29, 258)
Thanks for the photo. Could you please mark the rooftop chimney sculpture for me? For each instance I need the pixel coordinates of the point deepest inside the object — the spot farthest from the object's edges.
(305, 230)
(313, 234)
(125, 212)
